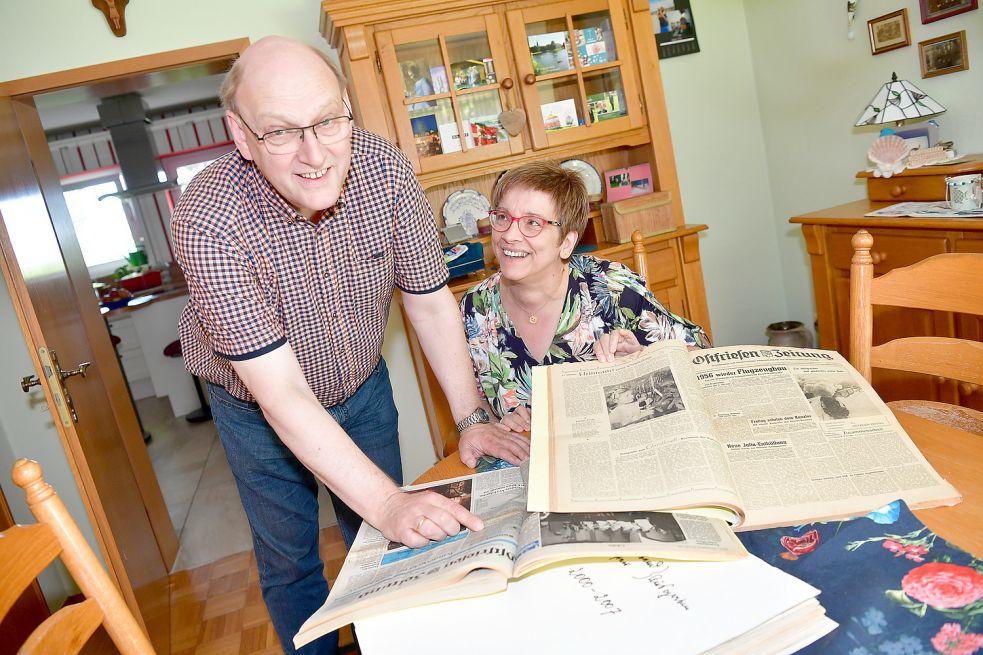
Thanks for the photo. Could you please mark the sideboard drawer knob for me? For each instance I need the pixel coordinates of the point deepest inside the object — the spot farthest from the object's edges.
(898, 190)
(878, 257)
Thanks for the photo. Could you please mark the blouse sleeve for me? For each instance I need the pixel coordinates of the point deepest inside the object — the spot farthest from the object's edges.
(641, 312)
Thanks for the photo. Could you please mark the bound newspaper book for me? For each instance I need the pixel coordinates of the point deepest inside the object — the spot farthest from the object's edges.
(762, 436)
(380, 576)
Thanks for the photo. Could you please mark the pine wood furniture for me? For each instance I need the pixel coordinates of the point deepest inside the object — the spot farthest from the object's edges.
(483, 62)
(26, 550)
(946, 283)
(954, 453)
(898, 242)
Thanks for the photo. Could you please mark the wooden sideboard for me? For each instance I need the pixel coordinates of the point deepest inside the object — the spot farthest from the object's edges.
(897, 242)
(443, 79)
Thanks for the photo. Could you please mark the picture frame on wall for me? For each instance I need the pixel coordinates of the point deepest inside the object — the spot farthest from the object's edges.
(944, 54)
(933, 10)
(889, 32)
(674, 28)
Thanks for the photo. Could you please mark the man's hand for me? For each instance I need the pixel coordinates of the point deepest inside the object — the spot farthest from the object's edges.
(486, 439)
(518, 420)
(415, 519)
(616, 343)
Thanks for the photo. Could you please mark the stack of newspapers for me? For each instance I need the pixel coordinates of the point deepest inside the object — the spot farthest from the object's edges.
(575, 557)
(580, 582)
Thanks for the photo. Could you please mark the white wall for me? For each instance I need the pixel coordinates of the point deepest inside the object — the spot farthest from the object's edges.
(721, 161)
(812, 85)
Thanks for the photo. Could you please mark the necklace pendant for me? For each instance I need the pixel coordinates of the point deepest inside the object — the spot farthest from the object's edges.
(533, 319)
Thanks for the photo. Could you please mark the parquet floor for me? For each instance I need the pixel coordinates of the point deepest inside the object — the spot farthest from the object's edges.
(217, 609)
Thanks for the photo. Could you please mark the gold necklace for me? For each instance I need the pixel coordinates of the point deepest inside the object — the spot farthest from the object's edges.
(533, 319)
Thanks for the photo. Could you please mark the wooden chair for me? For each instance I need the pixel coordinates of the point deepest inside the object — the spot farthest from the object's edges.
(25, 551)
(946, 283)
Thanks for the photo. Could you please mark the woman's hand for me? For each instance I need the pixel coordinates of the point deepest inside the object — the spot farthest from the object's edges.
(616, 343)
(518, 420)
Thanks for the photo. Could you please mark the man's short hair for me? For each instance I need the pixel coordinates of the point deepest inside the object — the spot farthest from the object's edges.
(230, 85)
(565, 189)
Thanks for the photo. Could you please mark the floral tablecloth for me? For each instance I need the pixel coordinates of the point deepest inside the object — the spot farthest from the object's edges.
(893, 585)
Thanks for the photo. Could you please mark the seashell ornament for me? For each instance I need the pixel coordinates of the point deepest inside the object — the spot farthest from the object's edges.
(888, 154)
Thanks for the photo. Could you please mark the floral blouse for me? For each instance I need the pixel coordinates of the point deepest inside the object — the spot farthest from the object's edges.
(601, 296)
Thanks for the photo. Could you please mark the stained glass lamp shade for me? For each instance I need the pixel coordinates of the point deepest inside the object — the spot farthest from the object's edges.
(897, 101)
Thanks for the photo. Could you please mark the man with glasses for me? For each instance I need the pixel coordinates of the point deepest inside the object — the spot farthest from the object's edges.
(292, 245)
(547, 305)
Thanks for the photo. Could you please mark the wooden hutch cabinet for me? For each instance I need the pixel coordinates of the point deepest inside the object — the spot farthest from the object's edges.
(449, 80)
(897, 242)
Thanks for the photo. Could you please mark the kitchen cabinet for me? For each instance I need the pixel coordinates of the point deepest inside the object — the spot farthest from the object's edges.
(897, 242)
(448, 81)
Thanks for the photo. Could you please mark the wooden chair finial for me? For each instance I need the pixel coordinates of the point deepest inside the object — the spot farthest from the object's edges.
(28, 476)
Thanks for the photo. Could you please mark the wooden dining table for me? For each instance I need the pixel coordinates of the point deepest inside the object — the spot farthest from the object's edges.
(956, 455)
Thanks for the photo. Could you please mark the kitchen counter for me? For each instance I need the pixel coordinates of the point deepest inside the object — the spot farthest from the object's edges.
(145, 327)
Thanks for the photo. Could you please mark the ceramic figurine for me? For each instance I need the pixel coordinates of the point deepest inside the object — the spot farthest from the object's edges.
(888, 154)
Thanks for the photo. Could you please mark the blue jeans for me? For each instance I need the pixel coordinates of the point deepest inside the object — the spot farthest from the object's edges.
(280, 497)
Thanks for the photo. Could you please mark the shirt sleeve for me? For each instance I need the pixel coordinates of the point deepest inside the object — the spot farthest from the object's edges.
(641, 312)
(419, 259)
(236, 313)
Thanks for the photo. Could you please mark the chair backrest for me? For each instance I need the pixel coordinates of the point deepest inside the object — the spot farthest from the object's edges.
(25, 551)
(951, 282)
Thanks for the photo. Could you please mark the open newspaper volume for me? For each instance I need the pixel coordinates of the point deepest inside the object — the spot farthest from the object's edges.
(381, 576)
(762, 436)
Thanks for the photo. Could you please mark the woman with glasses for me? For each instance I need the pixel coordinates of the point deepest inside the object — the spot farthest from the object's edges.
(547, 305)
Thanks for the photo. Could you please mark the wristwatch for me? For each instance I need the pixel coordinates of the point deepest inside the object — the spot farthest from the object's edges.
(474, 418)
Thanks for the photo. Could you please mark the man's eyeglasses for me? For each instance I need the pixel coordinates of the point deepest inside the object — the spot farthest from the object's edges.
(529, 226)
(286, 141)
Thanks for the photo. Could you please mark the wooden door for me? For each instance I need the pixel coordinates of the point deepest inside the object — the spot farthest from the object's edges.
(58, 311)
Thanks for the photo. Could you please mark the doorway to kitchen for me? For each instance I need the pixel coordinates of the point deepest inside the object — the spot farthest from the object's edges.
(169, 123)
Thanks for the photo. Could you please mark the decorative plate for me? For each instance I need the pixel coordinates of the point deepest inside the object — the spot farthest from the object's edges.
(587, 173)
(465, 207)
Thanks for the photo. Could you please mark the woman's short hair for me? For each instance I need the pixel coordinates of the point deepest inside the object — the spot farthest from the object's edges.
(565, 189)
(230, 85)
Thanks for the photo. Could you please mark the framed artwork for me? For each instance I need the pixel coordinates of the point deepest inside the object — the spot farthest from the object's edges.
(622, 183)
(933, 10)
(944, 54)
(889, 32)
(675, 31)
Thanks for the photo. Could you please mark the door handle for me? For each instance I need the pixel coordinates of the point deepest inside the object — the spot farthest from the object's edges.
(63, 374)
(56, 375)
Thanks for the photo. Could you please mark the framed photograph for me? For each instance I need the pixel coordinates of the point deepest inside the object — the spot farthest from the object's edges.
(675, 31)
(943, 54)
(560, 115)
(622, 183)
(889, 32)
(551, 53)
(933, 10)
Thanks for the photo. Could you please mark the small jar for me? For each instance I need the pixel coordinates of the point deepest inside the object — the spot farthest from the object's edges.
(790, 334)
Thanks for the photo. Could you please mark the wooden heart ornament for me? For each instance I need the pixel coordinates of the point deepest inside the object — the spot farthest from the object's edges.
(513, 120)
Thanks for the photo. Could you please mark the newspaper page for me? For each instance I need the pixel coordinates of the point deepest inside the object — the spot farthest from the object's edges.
(380, 575)
(777, 435)
(634, 435)
(807, 438)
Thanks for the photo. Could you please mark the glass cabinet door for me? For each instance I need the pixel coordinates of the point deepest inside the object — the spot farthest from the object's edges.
(575, 70)
(446, 91)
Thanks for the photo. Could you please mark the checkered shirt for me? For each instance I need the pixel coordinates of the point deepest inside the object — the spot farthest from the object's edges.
(260, 274)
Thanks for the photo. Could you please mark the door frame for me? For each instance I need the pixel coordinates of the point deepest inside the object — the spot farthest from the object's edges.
(18, 97)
